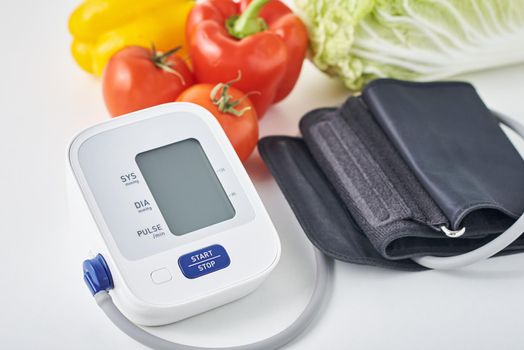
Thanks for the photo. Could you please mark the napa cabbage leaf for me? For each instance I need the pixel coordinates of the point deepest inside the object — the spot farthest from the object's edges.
(359, 40)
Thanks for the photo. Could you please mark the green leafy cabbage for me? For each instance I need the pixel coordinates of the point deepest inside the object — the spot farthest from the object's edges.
(359, 40)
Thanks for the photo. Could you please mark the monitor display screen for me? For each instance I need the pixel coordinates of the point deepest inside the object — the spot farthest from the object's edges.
(185, 186)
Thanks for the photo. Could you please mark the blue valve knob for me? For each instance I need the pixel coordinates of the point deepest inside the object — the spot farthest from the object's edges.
(97, 275)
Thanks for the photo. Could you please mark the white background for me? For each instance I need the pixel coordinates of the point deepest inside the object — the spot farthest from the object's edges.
(45, 99)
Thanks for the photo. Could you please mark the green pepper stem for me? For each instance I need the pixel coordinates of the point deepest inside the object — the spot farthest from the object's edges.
(248, 23)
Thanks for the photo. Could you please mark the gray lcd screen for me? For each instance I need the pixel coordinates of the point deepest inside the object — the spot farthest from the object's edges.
(185, 186)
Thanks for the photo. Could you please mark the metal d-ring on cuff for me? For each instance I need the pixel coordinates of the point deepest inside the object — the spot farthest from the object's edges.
(452, 233)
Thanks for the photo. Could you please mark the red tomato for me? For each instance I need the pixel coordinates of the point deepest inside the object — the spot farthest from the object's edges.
(137, 78)
(239, 120)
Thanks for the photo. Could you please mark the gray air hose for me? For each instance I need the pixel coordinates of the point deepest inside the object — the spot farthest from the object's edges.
(322, 280)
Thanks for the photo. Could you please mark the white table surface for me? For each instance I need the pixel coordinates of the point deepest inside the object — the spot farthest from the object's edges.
(45, 99)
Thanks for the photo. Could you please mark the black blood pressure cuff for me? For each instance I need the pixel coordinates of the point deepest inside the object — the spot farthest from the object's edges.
(383, 178)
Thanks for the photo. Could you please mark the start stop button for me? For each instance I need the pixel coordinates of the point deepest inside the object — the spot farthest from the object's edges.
(204, 261)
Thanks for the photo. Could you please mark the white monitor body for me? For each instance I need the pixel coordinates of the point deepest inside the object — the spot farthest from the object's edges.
(173, 251)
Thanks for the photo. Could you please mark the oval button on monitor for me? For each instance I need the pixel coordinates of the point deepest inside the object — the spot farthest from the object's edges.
(161, 276)
(204, 261)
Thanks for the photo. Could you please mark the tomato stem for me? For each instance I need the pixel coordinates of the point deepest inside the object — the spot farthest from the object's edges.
(225, 102)
(160, 60)
(249, 22)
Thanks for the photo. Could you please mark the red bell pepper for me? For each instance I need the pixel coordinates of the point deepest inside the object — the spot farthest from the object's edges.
(261, 39)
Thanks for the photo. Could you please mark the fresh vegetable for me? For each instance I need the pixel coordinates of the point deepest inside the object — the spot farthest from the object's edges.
(233, 110)
(137, 78)
(359, 40)
(262, 39)
(100, 28)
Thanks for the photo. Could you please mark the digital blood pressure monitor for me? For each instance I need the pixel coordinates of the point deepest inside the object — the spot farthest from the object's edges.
(181, 227)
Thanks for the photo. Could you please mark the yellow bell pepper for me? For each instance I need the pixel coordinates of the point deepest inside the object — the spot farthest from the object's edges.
(102, 27)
